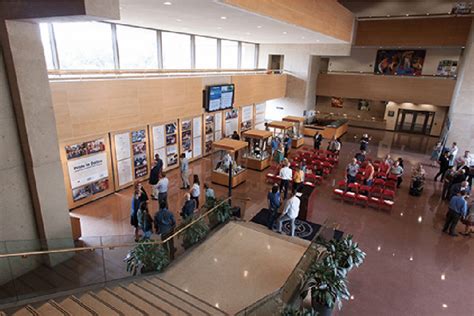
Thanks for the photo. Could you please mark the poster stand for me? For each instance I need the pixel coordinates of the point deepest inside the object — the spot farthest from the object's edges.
(191, 137)
(212, 130)
(165, 142)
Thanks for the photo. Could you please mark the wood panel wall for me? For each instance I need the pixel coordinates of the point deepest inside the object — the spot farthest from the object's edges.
(434, 91)
(323, 16)
(451, 31)
(92, 107)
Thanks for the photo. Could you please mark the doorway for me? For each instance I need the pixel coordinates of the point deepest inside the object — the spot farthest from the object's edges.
(275, 62)
(419, 122)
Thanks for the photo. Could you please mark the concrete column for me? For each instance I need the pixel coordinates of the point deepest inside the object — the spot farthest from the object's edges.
(461, 112)
(31, 98)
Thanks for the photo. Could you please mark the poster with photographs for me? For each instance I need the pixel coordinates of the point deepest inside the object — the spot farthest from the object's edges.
(139, 149)
(84, 148)
(363, 105)
(81, 193)
(138, 136)
(186, 125)
(100, 186)
(245, 126)
(171, 139)
(186, 144)
(172, 160)
(170, 128)
(447, 68)
(231, 122)
(87, 169)
(208, 146)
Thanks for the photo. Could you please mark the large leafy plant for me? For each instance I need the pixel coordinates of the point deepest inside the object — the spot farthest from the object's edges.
(223, 212)
(194, 233)
(346, 252)
(147, 258)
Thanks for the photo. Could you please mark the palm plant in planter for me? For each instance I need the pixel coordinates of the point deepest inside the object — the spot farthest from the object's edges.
(222, 214)
(147, 258)
(346, 252)
(194, 233)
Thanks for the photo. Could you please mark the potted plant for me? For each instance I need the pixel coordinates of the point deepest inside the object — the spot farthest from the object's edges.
(291, 310)
(147, 258)
(194, 233)
(326, 282)
(222, 214)
(346, 252)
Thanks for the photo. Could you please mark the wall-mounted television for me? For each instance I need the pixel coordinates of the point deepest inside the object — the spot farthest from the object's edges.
(219, 97)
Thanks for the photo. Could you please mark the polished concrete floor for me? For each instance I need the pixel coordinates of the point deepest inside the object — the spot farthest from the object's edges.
(232, 269)
(411, 268)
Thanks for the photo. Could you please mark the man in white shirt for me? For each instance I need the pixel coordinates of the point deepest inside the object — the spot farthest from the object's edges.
(453, 152)
(162, 187)
(286, 174)
(290, 213)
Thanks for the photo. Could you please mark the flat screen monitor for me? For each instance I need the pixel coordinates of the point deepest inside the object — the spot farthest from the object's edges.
(219, 97)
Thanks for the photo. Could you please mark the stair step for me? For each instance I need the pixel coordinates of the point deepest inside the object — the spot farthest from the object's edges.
(26, 311)
(140, 303)
(118, 303)
(99, 306)
(75, 307)
(203, 306)
(173, 306)
(51, 308)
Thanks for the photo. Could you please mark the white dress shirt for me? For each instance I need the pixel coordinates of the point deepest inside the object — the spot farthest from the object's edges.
(163, 185)
(286, 173)
(292, 207)
(195, 191)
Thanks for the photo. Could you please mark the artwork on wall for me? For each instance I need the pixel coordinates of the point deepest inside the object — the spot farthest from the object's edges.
(84, 148)
(165, 139)
(447, 68)
(337, 102)
(399, 62)
(209, 133)
(363, 105)
(461, 8)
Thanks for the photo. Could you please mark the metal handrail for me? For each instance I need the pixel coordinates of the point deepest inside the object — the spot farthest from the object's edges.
(112, 246)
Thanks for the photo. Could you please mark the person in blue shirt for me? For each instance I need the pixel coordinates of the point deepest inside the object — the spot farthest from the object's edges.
(273, 205)
(164, 225)
(275, 144)
(457, 210)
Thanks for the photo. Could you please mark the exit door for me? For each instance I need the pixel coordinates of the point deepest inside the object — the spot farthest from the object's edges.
(419, 122)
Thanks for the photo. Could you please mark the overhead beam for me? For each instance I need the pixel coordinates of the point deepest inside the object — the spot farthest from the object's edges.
(327, 17)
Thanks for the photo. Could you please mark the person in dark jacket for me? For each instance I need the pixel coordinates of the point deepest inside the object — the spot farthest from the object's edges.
(188, 207)
(317, 139)
(274, 203)
(164, 225)
(155, 177)
(364, 142)
(145, 222)
(139, 197)
(443, 166)
(235, 135)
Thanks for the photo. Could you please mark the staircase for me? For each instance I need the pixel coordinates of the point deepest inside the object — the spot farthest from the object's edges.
(147, 296)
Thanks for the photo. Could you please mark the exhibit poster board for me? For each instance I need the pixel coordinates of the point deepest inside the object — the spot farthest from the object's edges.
(231, 122)
(260, 115)
(246, 116)
(130, 155)
(190, 135)
(87, 169)
(164, 142)
(212, 130)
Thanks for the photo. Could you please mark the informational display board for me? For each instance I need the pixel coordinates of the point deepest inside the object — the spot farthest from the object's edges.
(87, 169)
(131, 155)
(212, 130)
(164, 143)
(246, 118)
(231, 122)
(190, 136)
(220, 97)
(260, 115)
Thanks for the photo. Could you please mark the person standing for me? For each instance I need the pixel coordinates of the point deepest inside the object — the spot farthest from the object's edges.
(334, 145)
(159, 163)
(443, 166)
(298, 179)
(139, 197)
(397, 171)
(364, 142)
(275, 143)
(145, 222)
(360, 157)
(448, 179)
(235, 136)
(286, 174)
(351, 171)
(287, 144)
(436, 153)
(466, 162)
(453, 151)
(317, 139)
(279, 154)
(290, 213)
(274, 202)
(163, 188)
(457, 210)
(164, 224)
(196, 190)
(188, 207)
(184, 168)
(153, 180)
(209, 193)
(370, 172)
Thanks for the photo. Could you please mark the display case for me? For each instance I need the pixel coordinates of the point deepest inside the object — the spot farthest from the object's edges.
(259, 151)
(297, 131)
(229, 153)
(280, 128)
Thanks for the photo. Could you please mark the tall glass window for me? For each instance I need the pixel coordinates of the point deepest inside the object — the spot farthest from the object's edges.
(229, 54)
(248, 56)
(137, 48)
(45, 38)
(176, 50)
(206, 52)
(84, 45)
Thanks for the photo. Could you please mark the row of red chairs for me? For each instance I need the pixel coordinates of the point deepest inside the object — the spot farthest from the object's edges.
(364, 200)
(319, 151)
(374, 190)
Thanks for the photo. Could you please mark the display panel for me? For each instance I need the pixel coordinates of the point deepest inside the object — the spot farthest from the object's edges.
(219, 97)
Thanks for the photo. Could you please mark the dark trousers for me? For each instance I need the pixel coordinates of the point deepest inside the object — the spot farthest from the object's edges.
(351, 179)
(317, 145)
(196, 199)
(272, 216)
(446, 189)
(284, 186)
(297, 187)
(442, 173)
(163, 196)
(452, 219)
(399, 181)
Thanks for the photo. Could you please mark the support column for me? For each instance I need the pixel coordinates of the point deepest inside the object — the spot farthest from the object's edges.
(461, 112)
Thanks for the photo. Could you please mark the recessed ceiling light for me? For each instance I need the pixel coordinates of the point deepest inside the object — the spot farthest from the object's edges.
(167, 3)
(285, 33)
(317, 41)
(302, 37)
(178, 20)
(223, 17)
(259, 26)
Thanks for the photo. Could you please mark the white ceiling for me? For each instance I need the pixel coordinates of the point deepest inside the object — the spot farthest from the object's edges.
(203, 17)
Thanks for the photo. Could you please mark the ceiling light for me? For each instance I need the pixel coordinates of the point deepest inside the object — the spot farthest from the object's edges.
(259, 26)
(178, 20)
(285, 33)
(420, 219)
(167, 3)
(223, 17)
(445, 306)
(317, 41)
(302, 37)
(246, 273)
(401, 214)
(443, 277)
(378, 248)
(411, 258)
(407, 14)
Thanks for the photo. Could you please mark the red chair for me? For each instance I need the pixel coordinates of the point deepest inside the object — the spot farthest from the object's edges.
(392, 177)
(338, 193)
(297, 158)
(353, 187)
(388, 195)
(376, 192)
(326, 172)
(374, 202)
(362, 199)
(342, 184)
(380, 175)
(312, 178)
(293, 164)
(360, 178)
(365, 189)
(349, 196)
(391, 185)
(387, 204)
(310, 184)
(270, 177)
(379, 183)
